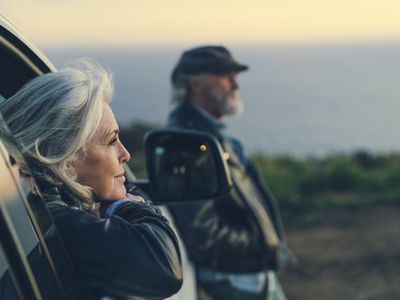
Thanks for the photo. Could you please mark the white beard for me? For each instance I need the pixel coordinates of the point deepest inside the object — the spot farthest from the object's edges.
(232, 106)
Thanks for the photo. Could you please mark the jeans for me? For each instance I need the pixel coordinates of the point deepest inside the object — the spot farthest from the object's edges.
(223, 290)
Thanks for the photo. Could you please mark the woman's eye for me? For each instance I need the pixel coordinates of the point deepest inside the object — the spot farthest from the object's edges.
(114, 141)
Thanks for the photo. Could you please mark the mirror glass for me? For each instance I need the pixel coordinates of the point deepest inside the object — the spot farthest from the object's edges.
(184, 168)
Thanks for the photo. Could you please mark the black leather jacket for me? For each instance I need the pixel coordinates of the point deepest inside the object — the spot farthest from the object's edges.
(132, 255)
(242, 233)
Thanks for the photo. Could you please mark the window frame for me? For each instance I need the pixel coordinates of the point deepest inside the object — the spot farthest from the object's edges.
(20, 62)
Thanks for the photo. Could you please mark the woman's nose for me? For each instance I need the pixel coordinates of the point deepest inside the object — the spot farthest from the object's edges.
(124, 155)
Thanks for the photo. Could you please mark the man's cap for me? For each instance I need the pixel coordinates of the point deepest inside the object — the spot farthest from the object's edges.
(206, 60)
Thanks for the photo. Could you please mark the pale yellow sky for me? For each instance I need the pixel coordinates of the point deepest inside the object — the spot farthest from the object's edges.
(168, 22)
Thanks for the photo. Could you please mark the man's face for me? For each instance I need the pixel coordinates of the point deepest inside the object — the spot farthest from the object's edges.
(220, 95)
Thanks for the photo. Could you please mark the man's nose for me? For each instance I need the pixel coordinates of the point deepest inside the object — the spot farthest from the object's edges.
(234, 84)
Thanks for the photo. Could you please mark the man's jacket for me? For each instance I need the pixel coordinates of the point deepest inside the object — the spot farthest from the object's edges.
(241, 233)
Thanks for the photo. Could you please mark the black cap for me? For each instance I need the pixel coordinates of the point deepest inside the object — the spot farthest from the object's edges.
(206, 60)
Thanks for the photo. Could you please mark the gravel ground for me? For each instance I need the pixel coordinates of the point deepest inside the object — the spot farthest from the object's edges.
(344, 254)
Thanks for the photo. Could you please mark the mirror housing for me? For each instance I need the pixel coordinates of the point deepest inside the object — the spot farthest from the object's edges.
(185, 165)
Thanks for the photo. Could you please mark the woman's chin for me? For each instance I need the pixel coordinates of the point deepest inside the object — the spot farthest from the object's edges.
(117, 195)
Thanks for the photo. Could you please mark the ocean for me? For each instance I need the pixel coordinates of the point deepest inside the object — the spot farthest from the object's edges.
(306, 100)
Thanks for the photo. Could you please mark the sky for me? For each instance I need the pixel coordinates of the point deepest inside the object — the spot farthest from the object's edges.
(172, 22)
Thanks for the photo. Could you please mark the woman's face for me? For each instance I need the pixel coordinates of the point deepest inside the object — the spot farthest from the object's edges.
(103, 167)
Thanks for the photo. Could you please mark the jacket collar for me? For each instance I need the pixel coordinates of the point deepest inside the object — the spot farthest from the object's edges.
(189, 116)
(211, 119)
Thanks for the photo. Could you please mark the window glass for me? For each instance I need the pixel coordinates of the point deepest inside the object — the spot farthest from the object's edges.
(12, 207)
(12, 201)
(7, 286)
(40, 243)
(23, 235)
(34, 228)
(3, 264)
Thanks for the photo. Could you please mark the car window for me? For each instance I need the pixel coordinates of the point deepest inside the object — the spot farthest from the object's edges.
(14, 204)
(30, 228)
(19, 62)
(16, 241)
(3, 268)
(33, 253)
(7, 188)
(3, 265)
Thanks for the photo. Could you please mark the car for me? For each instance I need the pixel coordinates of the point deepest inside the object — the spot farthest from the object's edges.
(28, 260)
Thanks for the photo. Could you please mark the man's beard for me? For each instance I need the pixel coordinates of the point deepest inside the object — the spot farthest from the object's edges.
(228, 104)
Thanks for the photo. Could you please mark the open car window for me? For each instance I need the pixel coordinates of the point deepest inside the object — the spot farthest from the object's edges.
(13, 202)
(32, 255)
(19, 60)
(17, 237)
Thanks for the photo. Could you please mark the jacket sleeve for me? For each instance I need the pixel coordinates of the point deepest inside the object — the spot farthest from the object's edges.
(134, 253)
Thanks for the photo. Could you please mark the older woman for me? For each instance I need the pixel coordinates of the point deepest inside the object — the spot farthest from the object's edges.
(65, 129)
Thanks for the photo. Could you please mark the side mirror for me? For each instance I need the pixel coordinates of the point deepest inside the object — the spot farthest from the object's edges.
(185, 165)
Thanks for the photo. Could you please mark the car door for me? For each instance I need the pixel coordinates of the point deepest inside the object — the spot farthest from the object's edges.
(20, 61)
(32, 256)
(33, 259)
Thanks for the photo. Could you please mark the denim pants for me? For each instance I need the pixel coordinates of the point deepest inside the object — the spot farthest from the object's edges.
(223, 290)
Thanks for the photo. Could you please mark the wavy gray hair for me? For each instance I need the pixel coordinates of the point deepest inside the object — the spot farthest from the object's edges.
(180, 89)
(53, 117)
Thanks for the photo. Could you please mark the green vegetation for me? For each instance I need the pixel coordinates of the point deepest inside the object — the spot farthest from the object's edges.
(336, 180)
(306, 183)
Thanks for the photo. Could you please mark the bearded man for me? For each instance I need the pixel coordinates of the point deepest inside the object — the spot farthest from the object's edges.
(237, 243)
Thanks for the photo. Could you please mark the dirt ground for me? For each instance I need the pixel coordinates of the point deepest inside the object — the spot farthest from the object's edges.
(344, 254)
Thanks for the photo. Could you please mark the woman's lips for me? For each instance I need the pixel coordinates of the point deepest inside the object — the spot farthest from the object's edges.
(120, 178)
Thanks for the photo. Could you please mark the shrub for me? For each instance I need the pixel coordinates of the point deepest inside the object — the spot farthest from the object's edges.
(351, 179)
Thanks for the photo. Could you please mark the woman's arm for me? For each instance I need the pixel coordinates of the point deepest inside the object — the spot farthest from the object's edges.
(132, 253)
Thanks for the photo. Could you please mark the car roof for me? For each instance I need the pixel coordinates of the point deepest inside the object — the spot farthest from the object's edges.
(11, 29)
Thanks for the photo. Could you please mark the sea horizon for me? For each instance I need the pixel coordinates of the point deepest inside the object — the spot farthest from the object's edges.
(307, 100)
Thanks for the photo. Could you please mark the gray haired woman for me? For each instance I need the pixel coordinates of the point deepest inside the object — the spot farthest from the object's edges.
(67, 138)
